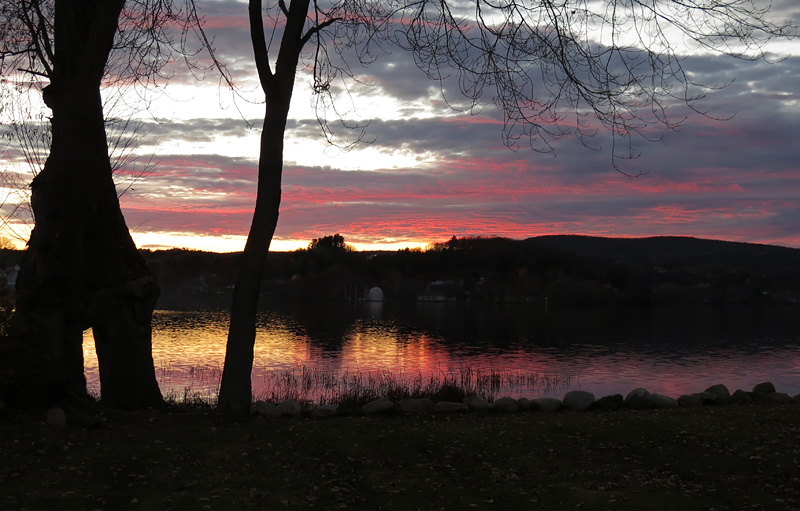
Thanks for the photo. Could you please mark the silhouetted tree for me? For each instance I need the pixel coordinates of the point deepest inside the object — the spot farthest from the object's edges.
(82, 268)
(333, 243)
(614, 61)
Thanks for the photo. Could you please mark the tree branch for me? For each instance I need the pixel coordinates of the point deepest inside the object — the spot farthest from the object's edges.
(316, 29)
(291, 42)
(282, 5)
(259, 43)
(31, 71)
(35, 29)
(43, 28)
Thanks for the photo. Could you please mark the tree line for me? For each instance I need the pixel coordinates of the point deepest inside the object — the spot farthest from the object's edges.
(558, 270)
(537, 61)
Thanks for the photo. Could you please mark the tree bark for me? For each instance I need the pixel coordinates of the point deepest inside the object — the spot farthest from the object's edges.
(235, 392)
(82, 268)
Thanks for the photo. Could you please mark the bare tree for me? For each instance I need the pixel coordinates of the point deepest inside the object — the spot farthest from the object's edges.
(82, 268)
(28, 137)
(551, 67)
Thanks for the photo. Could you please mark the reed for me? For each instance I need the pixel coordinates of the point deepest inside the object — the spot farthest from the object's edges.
(319, 385)
(194, 386)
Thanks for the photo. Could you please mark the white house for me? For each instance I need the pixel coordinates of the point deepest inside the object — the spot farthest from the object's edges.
(375, 294)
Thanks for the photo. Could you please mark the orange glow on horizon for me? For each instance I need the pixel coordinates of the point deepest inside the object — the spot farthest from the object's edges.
(362, 243)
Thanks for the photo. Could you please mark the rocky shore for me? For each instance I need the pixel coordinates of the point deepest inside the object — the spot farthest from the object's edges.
(576, 400)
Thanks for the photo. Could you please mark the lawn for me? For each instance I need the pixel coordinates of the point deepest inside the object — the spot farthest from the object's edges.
(733, 457)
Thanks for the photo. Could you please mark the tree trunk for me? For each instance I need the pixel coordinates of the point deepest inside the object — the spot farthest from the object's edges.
(122, 297)
(82, 268)
(235, 389)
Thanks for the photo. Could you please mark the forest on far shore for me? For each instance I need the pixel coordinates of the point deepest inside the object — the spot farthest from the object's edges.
(563, 270)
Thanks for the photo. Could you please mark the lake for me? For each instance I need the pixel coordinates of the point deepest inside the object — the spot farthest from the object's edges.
(537, 352)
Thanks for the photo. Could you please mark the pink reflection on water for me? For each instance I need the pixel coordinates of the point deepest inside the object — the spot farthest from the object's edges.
(373, 349)
(189, 352)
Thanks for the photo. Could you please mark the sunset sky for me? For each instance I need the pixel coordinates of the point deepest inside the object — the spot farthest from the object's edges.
(431, 172)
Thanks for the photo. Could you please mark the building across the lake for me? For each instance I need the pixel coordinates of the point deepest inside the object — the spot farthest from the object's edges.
(375, 294)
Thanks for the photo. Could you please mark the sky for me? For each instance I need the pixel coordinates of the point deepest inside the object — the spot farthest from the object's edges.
(428, 171)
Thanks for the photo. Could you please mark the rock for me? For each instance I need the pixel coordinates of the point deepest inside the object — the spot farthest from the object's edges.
(56, 417)
(796, 400)
(660, 401)
(450, 407)
(741, 397)
(546, 404)
(578, 400)
(289, 408)
(758, 397)
(380, 405)
(722, 393)
(411, 405)
(779, 397)
(690, 402)
(524, 404)
(505, 405)
(264, 409)
(709, 398)
(639, 399)
(764, 388)
(323, 411)
(610, 403)
(477, 404)
(349, 409)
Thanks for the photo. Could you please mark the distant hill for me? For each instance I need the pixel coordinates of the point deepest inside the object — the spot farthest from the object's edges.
(674, 251)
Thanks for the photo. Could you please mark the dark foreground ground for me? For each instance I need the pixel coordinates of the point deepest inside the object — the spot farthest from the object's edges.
(735, 457)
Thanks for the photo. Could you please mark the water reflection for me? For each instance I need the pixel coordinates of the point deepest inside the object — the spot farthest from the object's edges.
(670, 351)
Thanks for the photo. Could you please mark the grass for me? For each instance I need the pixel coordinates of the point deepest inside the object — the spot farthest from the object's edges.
(322, 385)
(734, 457)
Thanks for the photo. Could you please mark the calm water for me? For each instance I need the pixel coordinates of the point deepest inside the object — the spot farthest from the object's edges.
(604, 351)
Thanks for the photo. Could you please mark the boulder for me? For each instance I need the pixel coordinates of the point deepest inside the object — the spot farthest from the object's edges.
(578, 400)
(722, 393)
(660, 401)
(796, 400)
(380, 405)
(450, 407)
(779, 397)
(758, 397)
(411, 405)
(764, 388)
(709, 398)
(56, 417)
(349, 409)
(690, 402)
(323, 411)
(639, 399)
(741, 397)
(610, 403)
(524, 404)
(476, 404)
(264, 409)
(546, 404)
(290, 408)
(505, 405)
